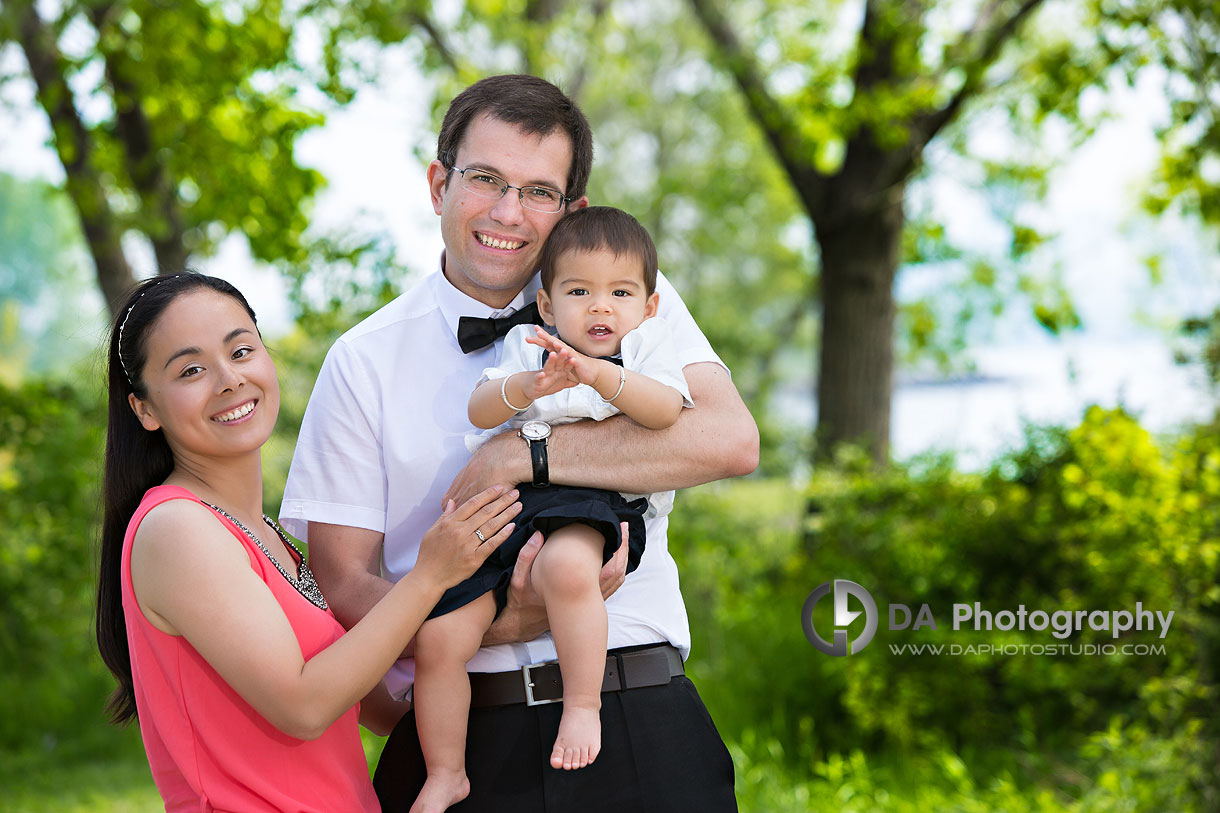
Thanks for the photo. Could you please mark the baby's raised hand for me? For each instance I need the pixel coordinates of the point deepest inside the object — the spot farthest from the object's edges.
(554, 376)
(581, 368)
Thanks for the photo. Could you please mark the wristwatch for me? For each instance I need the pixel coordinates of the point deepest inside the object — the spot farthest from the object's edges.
(536, 434)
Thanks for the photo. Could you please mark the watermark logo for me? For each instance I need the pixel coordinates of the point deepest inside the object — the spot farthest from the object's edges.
(1058, 623)
(842, 618)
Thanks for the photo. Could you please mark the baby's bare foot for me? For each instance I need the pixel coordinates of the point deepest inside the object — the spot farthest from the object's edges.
(441, 791)
(579, 740)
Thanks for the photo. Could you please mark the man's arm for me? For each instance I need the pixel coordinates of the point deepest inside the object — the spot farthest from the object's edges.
(716, 439)
(346, 562)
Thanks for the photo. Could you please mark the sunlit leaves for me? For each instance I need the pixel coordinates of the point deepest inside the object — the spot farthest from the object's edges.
(212, 85)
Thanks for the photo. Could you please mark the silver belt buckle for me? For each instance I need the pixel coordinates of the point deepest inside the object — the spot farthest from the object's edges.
(529, 685)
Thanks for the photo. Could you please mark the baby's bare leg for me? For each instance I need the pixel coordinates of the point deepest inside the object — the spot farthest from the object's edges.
(443, 645)
(565, 575)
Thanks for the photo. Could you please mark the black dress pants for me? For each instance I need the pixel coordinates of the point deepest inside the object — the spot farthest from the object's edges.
(660, 753)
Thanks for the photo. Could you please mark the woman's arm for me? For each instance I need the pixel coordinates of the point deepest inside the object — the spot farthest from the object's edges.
(193, 578)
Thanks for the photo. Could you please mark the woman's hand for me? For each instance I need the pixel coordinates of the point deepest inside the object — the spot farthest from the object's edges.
(451, 550)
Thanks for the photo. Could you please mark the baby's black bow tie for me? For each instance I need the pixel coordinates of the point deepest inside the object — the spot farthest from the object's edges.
(475, 333)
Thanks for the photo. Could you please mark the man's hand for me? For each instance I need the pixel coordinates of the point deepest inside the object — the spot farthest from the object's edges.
(504, 459)
(524, 616)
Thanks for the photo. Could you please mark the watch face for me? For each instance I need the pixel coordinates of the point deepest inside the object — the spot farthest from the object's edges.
(535, 430)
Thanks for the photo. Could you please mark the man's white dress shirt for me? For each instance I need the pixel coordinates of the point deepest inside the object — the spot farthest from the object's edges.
(384, 436)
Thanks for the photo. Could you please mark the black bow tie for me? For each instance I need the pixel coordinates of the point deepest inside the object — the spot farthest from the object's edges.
(475, 333)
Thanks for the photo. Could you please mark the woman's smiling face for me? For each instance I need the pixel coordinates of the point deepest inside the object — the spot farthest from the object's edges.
(209, 382)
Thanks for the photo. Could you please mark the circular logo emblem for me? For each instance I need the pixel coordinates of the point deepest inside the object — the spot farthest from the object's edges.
(842, 619)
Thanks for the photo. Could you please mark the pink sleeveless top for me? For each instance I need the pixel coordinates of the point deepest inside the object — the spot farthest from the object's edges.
(210, 750)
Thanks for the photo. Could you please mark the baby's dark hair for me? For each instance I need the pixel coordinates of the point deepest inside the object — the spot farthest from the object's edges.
(600, 228)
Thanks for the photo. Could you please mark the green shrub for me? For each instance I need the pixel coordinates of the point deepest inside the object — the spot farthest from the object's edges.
(52, 683)
(1097, 518)
(1120, 770)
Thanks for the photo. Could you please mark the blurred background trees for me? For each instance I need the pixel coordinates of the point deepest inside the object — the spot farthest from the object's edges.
(783, 155)
(770, 147)
(176, 123)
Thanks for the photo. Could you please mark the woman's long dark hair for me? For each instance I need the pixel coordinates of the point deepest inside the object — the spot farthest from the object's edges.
(136, 460)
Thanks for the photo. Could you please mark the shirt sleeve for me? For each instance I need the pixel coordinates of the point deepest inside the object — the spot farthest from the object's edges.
(689, 343)
(338, 469)
(649, 350)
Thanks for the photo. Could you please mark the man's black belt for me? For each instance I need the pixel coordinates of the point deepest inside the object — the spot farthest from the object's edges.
(540, 683)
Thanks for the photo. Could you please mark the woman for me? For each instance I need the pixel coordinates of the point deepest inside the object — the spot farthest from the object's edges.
(244, 683)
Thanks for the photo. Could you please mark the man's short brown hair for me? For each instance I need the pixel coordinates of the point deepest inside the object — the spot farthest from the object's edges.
(533, 105)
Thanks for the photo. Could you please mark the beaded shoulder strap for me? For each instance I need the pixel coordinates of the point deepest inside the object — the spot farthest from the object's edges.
(303, 582)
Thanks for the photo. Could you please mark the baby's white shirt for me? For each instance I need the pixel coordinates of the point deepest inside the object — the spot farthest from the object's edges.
(648, 350)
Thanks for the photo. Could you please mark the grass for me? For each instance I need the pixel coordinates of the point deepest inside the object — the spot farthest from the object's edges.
(117, 781)
(105, 773)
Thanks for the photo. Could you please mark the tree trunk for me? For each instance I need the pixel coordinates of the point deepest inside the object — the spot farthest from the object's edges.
(145, 164)
(75, 149)
(860, 255)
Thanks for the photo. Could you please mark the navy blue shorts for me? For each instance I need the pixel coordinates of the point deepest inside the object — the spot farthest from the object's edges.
(547, 510)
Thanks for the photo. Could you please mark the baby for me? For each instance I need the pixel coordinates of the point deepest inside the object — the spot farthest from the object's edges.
(610, 355)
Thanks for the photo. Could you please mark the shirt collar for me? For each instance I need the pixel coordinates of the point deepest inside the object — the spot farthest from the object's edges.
(454, 304)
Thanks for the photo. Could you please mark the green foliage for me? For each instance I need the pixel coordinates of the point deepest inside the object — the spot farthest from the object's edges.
(1200, 344)
(1096, 517)
(119, 782)
(215, 83)
(52, 682)
(180, 124)
(36, 226)
(1120, 769)
(1089, 519)
(1184, 38)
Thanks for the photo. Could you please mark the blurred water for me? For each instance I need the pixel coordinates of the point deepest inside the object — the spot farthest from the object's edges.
(1050, 382)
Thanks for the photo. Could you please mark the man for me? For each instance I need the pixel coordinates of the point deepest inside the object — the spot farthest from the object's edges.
(379, 452)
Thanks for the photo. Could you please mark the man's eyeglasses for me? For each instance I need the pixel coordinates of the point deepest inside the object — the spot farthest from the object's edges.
(488, 185)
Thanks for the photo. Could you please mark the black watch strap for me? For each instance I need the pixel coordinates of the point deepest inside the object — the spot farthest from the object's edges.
(542, 472)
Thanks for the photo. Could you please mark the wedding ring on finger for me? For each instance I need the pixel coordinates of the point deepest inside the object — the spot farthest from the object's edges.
(479, 534)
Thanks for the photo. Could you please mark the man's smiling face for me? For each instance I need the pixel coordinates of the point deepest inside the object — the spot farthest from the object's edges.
(492, 246)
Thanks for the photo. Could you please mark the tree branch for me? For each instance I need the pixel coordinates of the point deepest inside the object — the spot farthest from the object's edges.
(874, 52)
(149, 174)
(794, 154)
(74, 145)
(437, 39)
(992, 41)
